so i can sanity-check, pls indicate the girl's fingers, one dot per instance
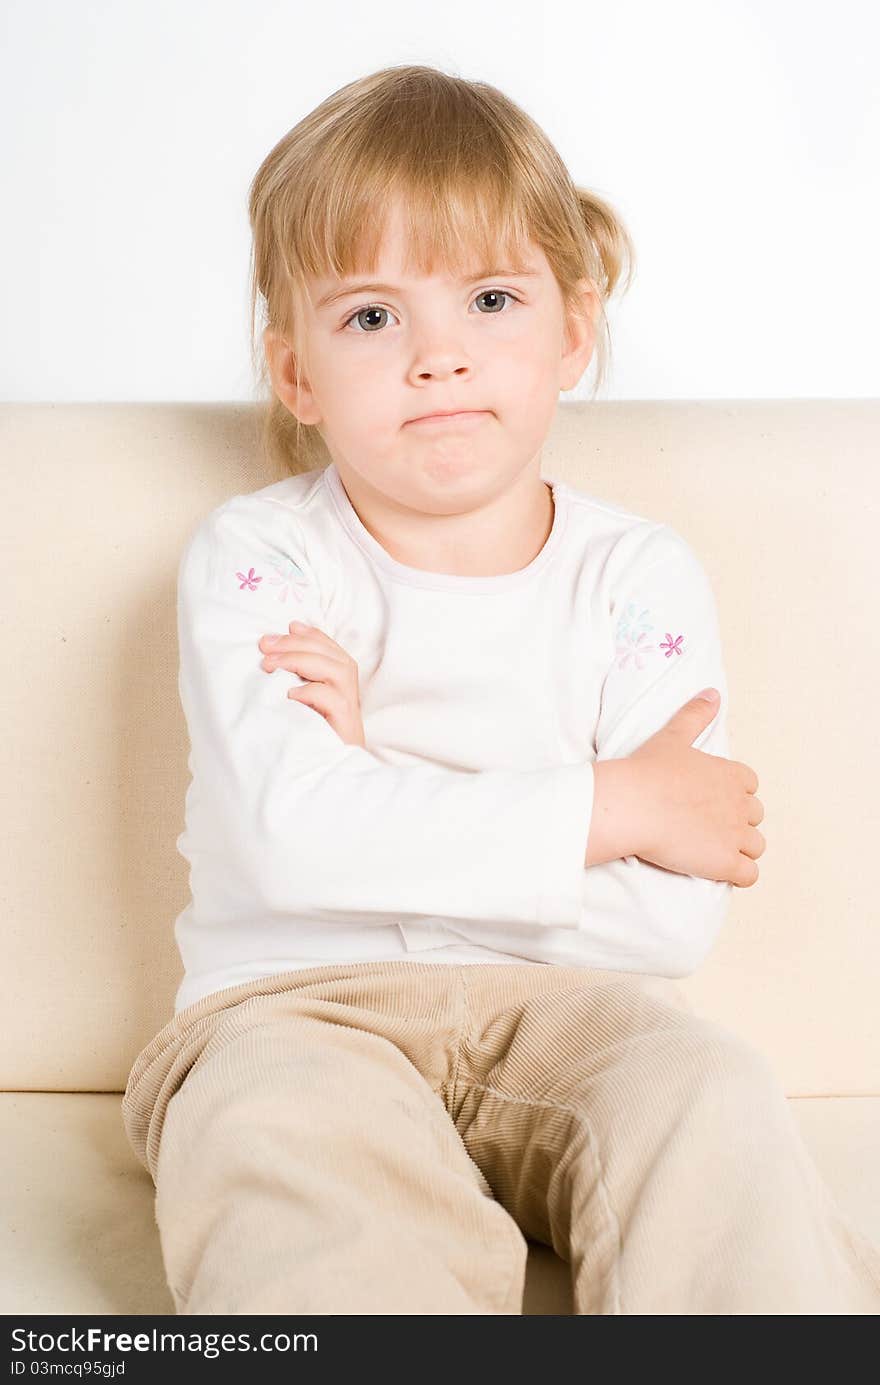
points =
(323, 698)
(342, 674)
(312, 639)
(338, 712)
(313, 632)
(327, 702)
(306, 663)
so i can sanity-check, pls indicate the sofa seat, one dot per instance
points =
(77, 1207)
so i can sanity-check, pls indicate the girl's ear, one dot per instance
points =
(295, 394)
(580, 336)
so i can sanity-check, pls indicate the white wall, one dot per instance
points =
(740, 140)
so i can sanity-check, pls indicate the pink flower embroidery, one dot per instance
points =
(674, 644)
(250, 581)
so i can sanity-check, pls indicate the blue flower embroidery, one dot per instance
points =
(632, 637)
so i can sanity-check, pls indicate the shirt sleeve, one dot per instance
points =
(666, 649)
(313, 825)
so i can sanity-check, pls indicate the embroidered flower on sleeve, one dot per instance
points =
(674, 645)
(633, 639)
(250, 581)
(287, 575)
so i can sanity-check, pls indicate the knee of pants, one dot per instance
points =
(729, 1072)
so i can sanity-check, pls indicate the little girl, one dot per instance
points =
(458, 816)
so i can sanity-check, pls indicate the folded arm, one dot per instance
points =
(320, 826)
(667, 647)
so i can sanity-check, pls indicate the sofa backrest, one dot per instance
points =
(780, 501)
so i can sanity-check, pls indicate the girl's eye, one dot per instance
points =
(377, 308)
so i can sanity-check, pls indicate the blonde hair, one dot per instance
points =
(473, 173)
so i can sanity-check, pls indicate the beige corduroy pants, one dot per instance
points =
(382, 1137)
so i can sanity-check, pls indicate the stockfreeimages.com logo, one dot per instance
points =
(208, 1344)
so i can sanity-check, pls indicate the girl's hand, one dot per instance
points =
(692, 812)
(332, 688)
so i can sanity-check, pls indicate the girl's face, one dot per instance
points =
(398, 348)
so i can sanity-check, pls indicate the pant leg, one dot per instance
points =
(304, 1163)
(653, 1149)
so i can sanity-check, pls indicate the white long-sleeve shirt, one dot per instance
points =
(459, 833)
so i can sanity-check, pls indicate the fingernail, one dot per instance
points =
(709, 695)
(272, 639)
(299, 625)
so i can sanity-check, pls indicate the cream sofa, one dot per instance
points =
(781, 501)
